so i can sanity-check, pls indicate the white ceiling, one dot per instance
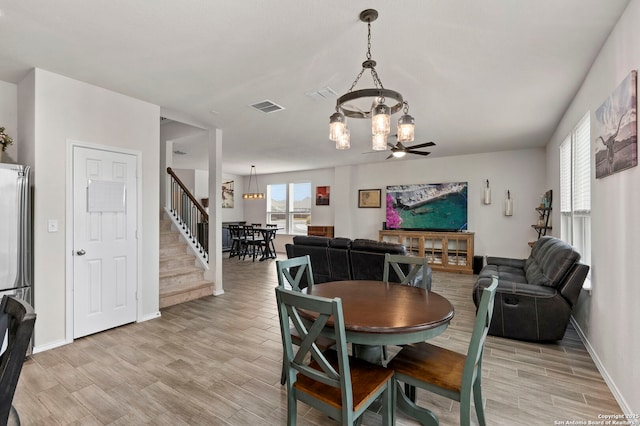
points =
(479, 76)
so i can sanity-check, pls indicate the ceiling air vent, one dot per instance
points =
(267, 106)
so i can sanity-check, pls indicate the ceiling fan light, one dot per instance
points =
(399, 154)
(337, 126)
(406, 128)
(381, 120)
(379, 142)
(344, 141)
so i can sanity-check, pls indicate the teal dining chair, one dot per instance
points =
(300, 267)
(296, 273)
(340, 386)
(448, 373)
(417, 274)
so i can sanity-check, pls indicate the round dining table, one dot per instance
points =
(378, 313)
(383, 313)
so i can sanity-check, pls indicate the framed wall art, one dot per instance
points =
(615, 139)
(227, 194)
(369, 198)
(322, 195)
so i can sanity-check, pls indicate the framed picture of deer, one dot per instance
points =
(615, 138)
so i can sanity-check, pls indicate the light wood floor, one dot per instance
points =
(216, 361)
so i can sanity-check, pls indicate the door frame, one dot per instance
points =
(71, 144)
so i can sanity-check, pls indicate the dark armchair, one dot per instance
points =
(535, 296)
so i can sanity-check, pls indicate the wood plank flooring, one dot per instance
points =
(216, 361)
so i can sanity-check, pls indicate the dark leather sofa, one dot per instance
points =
(535, 296)
(337, 259)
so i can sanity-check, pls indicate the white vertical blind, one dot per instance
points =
(565, 176)
(582, 166)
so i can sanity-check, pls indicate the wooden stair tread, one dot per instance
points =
(168, 291)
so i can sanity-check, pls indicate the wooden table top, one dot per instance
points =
(388, 313)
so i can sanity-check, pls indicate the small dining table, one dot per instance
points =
(380, 313)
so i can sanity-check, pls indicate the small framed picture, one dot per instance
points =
(369, 198)
(322, 195)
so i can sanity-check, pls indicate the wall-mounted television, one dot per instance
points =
(427, 207)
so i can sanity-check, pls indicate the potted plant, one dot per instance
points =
(5, 141)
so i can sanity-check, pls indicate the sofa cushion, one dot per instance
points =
(377, 246)
(304, 240)
(340, 242)
(504, 272)
(339, 262)
(550, 261)
(535, 274)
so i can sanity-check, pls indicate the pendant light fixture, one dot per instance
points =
(379, 112)
(257, 195)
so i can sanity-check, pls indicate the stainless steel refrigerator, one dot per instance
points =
(16, 265)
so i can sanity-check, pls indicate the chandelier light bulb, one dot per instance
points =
(381, 120)
(344, 141)
(379, 142)
(406, 128)
(337, 126)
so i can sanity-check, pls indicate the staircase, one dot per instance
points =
(181, 279)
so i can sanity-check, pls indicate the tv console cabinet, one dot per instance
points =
(445, 251)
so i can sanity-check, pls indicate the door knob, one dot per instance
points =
(81, 252)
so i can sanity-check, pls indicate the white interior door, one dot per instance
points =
(104, 236)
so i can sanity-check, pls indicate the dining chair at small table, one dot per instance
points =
(445, 372)
(252, 242)
(235, 233)
(297, 274)
(341, 386)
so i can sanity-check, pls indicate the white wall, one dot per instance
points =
(9, 119)
(609, 316)
(57, 109)
(522, 172)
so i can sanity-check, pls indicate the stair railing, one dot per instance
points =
(189, 214)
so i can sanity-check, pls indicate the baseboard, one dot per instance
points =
(150, 316)
(53, 345)
(632, 417)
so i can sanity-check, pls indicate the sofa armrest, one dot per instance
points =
(572, 283)
(521, 289)
(504, 261)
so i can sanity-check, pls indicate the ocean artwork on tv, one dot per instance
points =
(427, 207)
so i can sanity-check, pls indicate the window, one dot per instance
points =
(575, 190)
(289, 206)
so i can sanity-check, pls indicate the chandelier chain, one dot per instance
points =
(369, 40)
(374, 74)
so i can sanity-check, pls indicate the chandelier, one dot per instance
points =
(379, 112)
(257, 195)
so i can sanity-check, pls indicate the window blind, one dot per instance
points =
(565, 176)
(582, 166)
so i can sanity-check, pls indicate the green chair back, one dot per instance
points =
(418, 265)
(312, 374)
(301, 267)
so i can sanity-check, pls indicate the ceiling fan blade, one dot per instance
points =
(391, 146)
(418, 152)
(421, 145)
(391, 156)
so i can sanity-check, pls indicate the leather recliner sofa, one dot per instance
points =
(338, 259)
(535, 296)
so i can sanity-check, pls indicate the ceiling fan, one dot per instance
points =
(399, 150)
